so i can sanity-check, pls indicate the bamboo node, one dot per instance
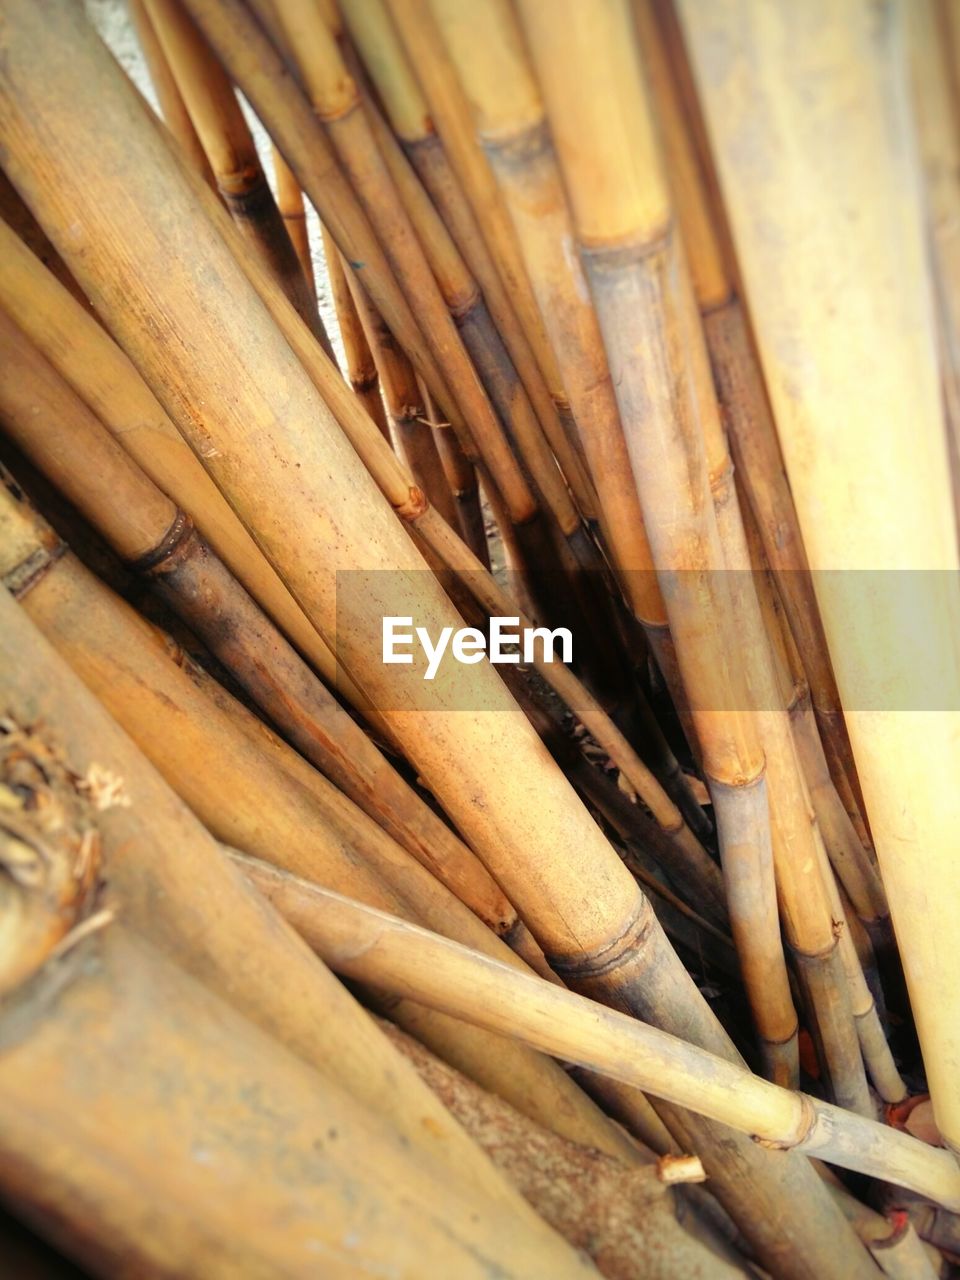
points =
(415, 505)
(619, 950)
(806, 1120)
(175, 540)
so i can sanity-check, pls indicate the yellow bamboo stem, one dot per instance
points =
(870, 355)
(294, 214)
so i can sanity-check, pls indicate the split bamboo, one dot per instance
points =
(367, 945)
(647, 309)
(870, 356)
(58, 433)
(526, 823)
(232, 153)
(360, 370)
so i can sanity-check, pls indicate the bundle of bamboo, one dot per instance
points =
(640, 840)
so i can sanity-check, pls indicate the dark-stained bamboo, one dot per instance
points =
(364, 943)
(360, 369)
(542, 853)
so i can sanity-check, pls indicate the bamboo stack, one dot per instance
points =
(647, 317)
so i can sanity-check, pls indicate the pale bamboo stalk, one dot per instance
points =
(104, 377)
(845, 492)
(366, 944)
(58, 433)
(294, 214)
(336, 102)
(361, 371)
(173, 110)
(379, 46)
(732, 755)
(739, 383)
(892, 1240)
(220, 393)
(229, 146)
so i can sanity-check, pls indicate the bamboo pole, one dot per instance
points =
(542, 853)
(104, 377)
(173, 110)
(360, 369)
(739, 383)
(646, 302)
(385, 61)
(294, 214)
(365, 944)
(733, 759)
(232, 153)
(58, 433)
(872, 357)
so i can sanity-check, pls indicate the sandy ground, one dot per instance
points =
(112, 21)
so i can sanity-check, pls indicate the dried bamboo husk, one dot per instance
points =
(844, 493)
(336, 102)
(543, 852)
(103, 376)
(740, 389)
(365, 944)
(734, 761)
(173, 109)
(361, 372)
(57, 432)
(259, 795)
(625, 1219)
(229, 146)
(378, 44)
(162, 1046)
(294, 214)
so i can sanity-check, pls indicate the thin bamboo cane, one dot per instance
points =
(543, 852)
(361, 372)
(173, 110)
(248, 788)
(336, 102)
(58, 433)
(734, 762)
(739, 384)
(407, 412)
(365, 944)
(232, 153)
(893, 1241)
(104, 377)
(294, 214)
(646, 300)
(386, 62)
(871, 356)
(464, 485)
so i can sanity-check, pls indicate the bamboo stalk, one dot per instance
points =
(173, 109)
(232, 154)
(464, 485)
(844, 489)
(542, 854)
(365, 944)
(104, 377)
(58, 433)
(733, 762)
(361, 372)
(379, 46)
(294, 214)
